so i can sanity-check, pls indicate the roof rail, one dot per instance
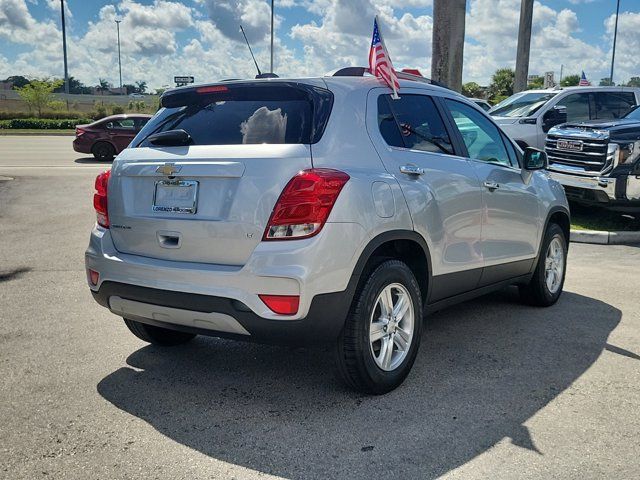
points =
(403, 75)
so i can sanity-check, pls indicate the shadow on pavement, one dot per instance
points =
(92, 161)
(484, 368)
(8, 275)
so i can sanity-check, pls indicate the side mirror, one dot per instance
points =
(535, 159)
(554, 116)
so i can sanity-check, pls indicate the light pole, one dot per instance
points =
(64, 49)
(615, 37)
(524, 46)
(119, 62)
(271, 36)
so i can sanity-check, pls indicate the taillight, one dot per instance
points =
(281, 304)
(305, 204)
(212, 89)
(100, 199)
(79, 131)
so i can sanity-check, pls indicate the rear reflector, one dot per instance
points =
(305, 204)
(281, 304)
(100, 199)
(212, 89)
(94, 277)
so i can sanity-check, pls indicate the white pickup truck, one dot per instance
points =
(527, 116)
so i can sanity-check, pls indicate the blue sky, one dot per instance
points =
(162, 38)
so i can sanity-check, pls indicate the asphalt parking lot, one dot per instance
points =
(499, 390)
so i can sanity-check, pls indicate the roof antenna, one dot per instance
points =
(250, 51)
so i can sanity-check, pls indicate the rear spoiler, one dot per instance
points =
(405, 74)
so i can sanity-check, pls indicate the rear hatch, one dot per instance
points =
(210, 199)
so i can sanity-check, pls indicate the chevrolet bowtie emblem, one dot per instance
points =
(168, 169)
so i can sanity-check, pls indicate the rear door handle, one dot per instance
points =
(411, 170)
(492, 186)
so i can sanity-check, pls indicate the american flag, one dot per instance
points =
(380, 63)
(583, 81)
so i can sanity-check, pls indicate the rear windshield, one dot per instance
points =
(280, 112)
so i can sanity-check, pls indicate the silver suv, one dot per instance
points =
(321, 210)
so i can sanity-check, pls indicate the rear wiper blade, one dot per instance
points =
(170, 138)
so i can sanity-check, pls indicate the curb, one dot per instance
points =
(605, 238)
(44, 133)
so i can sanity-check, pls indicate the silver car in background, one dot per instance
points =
(321, 210)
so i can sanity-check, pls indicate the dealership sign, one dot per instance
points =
(183, 80)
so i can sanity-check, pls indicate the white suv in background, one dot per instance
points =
(321, 210)
(527, 116)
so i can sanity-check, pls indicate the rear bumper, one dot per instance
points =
(225, 317)
(82, 146)
(319, 270)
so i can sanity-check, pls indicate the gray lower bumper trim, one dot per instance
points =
(210, 321)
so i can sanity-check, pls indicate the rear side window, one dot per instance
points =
(244, 114)
(413, 121)
(610, 105)
(124, 124)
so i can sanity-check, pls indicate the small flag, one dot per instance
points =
(380, 63)
(583, 81)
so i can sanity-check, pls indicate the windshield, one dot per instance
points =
(634, 114)
(243, 114)
(521, 104)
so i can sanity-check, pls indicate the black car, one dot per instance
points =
(598, 162)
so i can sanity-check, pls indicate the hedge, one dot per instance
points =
(43, 123)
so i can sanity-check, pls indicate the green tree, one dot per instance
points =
(570, 80)
(606, 82)
(535, 82)
(501, 83)
(103, 85)
(18, 81)
(472, 90)
(634, 82)
(130, 88)
(38, 94)
(142, 86)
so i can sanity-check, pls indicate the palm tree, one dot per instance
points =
(103, 85)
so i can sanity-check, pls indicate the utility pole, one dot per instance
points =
(119, 62)
(615, 37)
(271, 36)
(448, 42)
(64, 49)
(524, 46)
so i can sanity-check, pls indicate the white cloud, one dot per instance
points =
(627, 48)
(337, 34)
(492, 37)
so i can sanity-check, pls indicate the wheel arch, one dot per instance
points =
(559, 215)
(405, 245)
(108, 142)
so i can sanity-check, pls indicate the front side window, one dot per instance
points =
(481, 137)
(413, 121)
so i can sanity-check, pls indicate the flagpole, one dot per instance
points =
(395, 95)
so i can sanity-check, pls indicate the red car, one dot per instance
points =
(107, 137)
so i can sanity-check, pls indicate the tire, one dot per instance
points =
(103, 151)
(538, 292)
(361, 363)
(159, 336)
